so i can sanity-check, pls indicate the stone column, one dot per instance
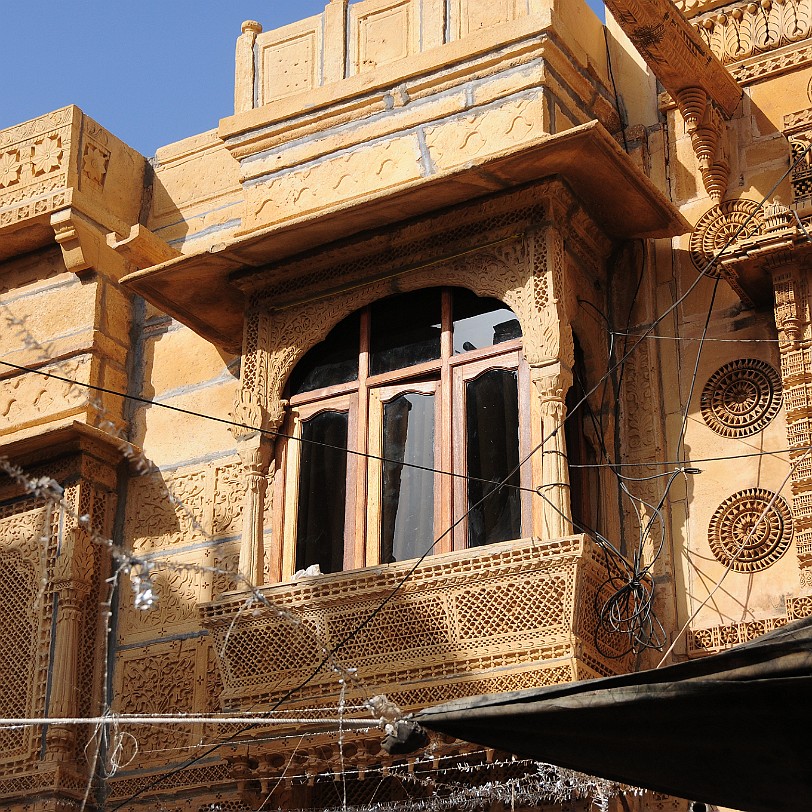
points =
(245, 73)
(552, 383)
(791, 282)
(254, 449)
(255, 456)
(335, 40)
(63, 702)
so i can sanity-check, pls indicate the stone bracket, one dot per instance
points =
(706, 127)
(141, 247)
(82, 240)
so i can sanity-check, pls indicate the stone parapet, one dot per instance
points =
(359, 39)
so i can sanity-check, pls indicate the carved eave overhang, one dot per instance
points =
(200, 289)
(71, 438)
(749, 265)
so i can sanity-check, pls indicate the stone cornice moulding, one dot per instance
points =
(417, 78)
(594, 166)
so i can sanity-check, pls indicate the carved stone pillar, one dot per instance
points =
(255, 454)
(255, 458)
(63, 702)
(552, 383)
(792, 318)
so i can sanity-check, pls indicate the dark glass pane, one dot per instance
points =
(322, 492)
(481, 322)
(332, 361)
(407, 503)
(492, 413)
(405, 330)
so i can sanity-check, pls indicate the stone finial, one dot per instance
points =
(777, 217)
(251, 25)
(692, 102)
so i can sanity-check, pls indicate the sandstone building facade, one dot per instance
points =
(498, 315)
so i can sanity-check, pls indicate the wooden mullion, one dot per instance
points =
(362, 444)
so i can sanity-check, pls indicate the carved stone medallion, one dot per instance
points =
(728, 222)
(747, 535)
(741, 397)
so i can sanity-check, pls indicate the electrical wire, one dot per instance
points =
(704, 340)
(728, 569)
(267, 432)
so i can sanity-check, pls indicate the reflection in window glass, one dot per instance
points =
(492, 432)
(480, 323)
(330, 362)
(322, 492)
(406, 330)
(407, 504)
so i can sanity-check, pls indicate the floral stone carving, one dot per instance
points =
(750, 530)
(741, 397)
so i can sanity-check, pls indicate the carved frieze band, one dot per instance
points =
(39, 161)
(742, 30)
(719, 638)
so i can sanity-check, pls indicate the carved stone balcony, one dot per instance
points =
(514, 615)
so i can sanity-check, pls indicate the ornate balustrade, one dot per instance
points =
(508, 616)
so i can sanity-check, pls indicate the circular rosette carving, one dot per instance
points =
(747, 535)
(741, 397)
(730, 220)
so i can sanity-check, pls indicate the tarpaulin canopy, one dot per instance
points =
(733, 729)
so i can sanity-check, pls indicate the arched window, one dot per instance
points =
(426, 391)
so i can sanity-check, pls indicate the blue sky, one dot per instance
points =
(150, 71)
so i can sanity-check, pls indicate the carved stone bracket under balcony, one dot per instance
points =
(504, 617)
(706, 127)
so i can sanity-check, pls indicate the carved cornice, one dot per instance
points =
(65, 159)
(690, 8)
(674, 50)
(742, 30)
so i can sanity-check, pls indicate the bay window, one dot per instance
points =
(404, 419)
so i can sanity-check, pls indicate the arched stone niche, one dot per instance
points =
(518, 250)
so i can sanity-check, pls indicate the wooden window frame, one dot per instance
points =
(363, 399)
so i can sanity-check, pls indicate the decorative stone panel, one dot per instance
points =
(444, 634)
(66, 159)
(751, 530)
(740, 218)
(52, 581)
(741, 398)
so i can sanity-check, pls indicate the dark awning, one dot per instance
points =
(731, 729)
